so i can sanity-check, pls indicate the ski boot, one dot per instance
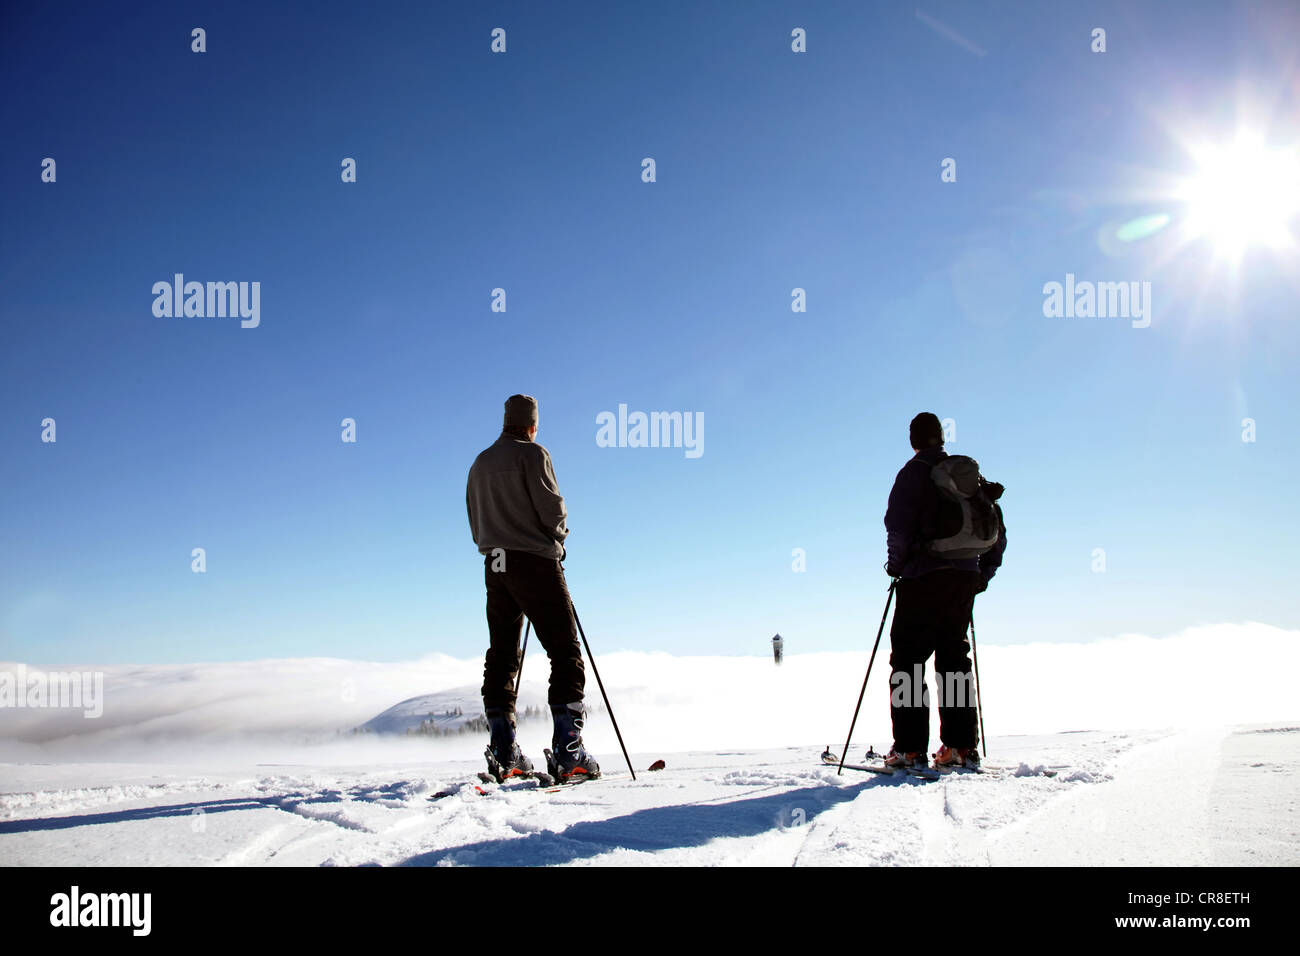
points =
(504, 758)
(567, 760)
(911, 760)
(952, 757)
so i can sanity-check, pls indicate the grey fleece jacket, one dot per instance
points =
(514, 501)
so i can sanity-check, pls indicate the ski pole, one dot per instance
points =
(979, 698)
(845, 752)
(601, 685)
(519, 674)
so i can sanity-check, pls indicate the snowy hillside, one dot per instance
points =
(447, 712)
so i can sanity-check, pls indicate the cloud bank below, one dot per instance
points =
(296, 709)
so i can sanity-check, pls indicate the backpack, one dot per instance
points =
(966, 522)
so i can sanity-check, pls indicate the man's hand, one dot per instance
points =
(892, 571)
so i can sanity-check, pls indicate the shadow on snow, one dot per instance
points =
(392, 794)
(657, 828)
(653, 829)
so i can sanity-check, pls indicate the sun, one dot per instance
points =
(1243, 194)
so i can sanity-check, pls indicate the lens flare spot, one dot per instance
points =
(1142, 227)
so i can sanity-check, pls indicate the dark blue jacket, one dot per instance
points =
(913, 490)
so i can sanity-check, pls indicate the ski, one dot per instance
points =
(923, 773)
(832, 760)
(518, 783)
(933, 773)
(533, 781)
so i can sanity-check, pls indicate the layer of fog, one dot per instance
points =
(302, 710)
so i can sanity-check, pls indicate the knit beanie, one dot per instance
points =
(521, 411)
(925, 431)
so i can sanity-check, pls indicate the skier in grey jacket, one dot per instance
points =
(518, 520)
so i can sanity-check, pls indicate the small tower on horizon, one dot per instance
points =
(778, 648)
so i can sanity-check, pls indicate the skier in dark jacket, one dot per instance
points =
(518, 520)
(935, 596)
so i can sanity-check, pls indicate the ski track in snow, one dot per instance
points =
(1118, 798)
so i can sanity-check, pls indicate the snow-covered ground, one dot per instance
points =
(1162, 759)
(1210, 796)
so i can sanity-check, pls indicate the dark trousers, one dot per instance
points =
(932, 617)
(522, 584)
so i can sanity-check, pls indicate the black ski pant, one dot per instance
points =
(932, 616)
(520, 583)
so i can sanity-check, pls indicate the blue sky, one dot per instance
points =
(522, 170)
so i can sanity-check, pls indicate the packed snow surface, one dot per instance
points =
(1209, 796)
(1159, 759)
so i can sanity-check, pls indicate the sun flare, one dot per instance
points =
(1242, 195)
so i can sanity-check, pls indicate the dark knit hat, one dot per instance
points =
(925, 431)
(521, 411)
